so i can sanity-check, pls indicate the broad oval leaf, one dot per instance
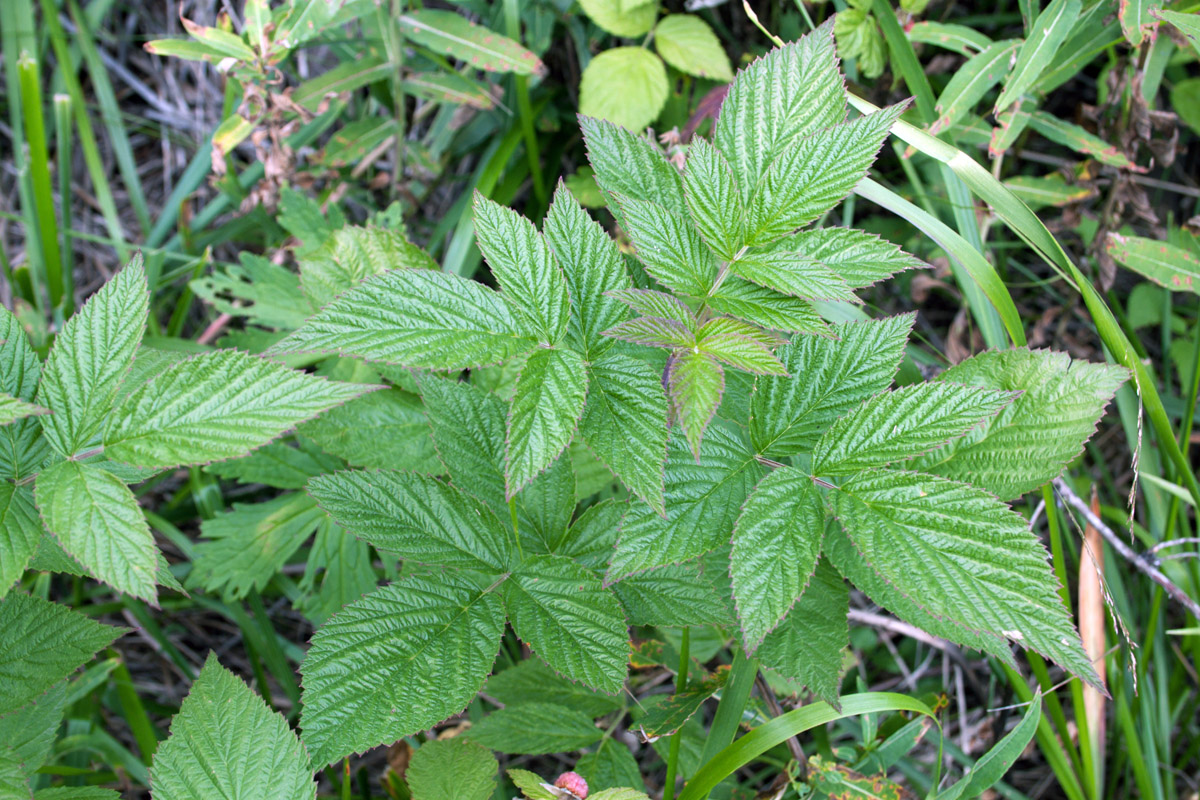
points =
(625, 85)
(621, 17)
(687, 43)
(452, 769)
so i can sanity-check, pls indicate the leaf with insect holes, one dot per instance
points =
(766, 307)
(826, 378)
(353, 254)
(1046, 36)
(703, 498)
(96, 519)
(90, 358)
(740, 345)
(631, 165)
(649, 303)
(225, 741)
(789, 93)
(593, 268)
(1169, 266)
(812, 175)
(654, 332)
(398, 661)
(858, 258)
(1030, 442)
(695, 382)
(545, 411)
(22, 446)
(776, 544)
(452, 769)
(416, 517)
(687, 43)
(898, 425)
(414, 318)
(714, 199)
(669, 247)
(451, 34)
(20, 532)
(522, 263)
(624, 423)
(40, 644)
(793, 274)
(960, 554)
(566, 616)
(624, 85)
(215, 406)
(535, 729)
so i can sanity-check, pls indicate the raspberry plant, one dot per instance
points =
(760, 460)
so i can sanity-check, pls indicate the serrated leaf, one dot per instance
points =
(859, 258)
(776, 544)
(676, 595)
(826, 379)
(592, 266)
(621, 19)
(969, 84)
(695, 382)
(531, 681)
(90, 358)
(278, 465)
(96, 519)
(669, 247)
(414, 318)
(1044, 429)
(546, 505)
(624, 424)
(544, 414)
(14, 408)
(813, 174)
(669, 715)
(385, 429)
(30, 732)
(452, 769)
(216, 406)
(766, 307)
(793, 273)
(76, 793)
(687, 43)
(960, 554)
(451, 34)
(791, 92)
(225, 741)
(702, 502)
(566, 616)
(22, 446)
(338, 572)
(535, 729)
(1167, 265)
(40, 644)
(901, 424)
(416, 517)
(858, 38)
(263, 292)
(1048, 33)
(653, 332)
(714, 199)
(649, 303)
(521, 261)
(629, 164)
(351, 256)
(532, 786)
(740, 345)
(14, 782)
(20, 532)
(609, 766)
(398, 661)
(624, 85)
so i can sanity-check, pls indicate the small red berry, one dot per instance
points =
(573, 783)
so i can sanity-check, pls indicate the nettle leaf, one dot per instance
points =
(631, 165)
(826, 379)
(535, 729)
(898, 425)
(650, 303)
(20, 533)
(566, 616)
(624, 85)
(702, 501)
(354, 254)
(808, 644)
(1031, 441)
(416, 517)
(766, 307)
(687, 43)
(695, 382)
(789, 93)
(776, 544)
(278, 465)
(22, 446)
(960, 553)
(624, 424)
(714, 199)
(89, 359)
(40, 644)
(814, 173)
(452, 769)
(214, 406)
(385, 429)
(795, 274)
(532, 681)
(398, 661)
(415, 318)
(521, 260)
(96, 519)
(668, 246)
(740, 345)
(545, 411)
(654, 332)
(592, 266)
(225, 741)
(858, 258)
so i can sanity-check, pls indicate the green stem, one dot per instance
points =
(681, 678)
(512, 24)
(39, 167)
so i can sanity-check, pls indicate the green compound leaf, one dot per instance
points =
(521, 260)
(654, 332)
(535, 729)
(1031, 441)
(775, 548)
(20, 533)
(740, 345)
(702, 501)
(22, 446)
(625, 424)
(416, 517)
(226, 742)
(858, 38)
(278, 465)
(454, 35)
(795, 274)
(398, 661)
(14, 408)
(687, 43)
(263, 292)
(649, 303)
(531, 681)
(592, 265)
(354, 254)
(566, 616)
(808, 644)
(452, 769)
(669, 247)
(32, 730)
(898, 425)
(214, 406)
(766, 307)
(714, 199)
(960, 553)
(414, 318)
(695, 382)
(546, 408)
(858, 258)
(676, 595)
(96, 519)
(631, 165)
(468, 432)
(626, 86)
(90, 358)
(40, 644)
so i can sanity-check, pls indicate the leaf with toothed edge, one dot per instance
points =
(695, 382)
(535, 729)
(452, 769)
(740, 345)
(14, 408)
(398, 661)
(714, 199)
(653, 332)
(669, 715)
(766, 307)
(545, 411)
(23, 448)
(858, 258)
(649, 303)
(533, 681)
(629, 164)
(668, 246)
(674, 595)
(794, 274)
(20, 532)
